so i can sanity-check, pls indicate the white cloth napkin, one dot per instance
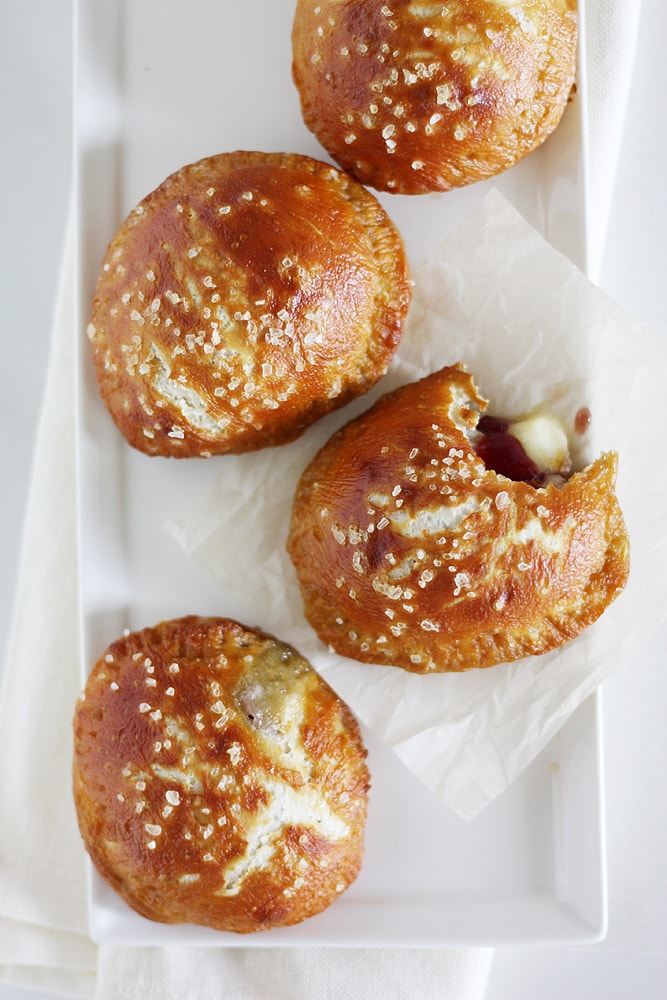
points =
(43, 910)
(610, 33)
(43, 919)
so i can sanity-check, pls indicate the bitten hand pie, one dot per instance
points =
(218, 780)
(411, 96)
(247, 296)
(411, 552)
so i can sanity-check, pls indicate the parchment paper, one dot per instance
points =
(531, 328)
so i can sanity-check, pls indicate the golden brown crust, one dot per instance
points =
(218, 780)
(410, 552)
(410, 96)
(244, 298)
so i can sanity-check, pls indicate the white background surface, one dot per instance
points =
(35, 165)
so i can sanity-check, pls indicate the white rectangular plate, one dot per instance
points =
(161, 83)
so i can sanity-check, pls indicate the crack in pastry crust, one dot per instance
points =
(410, 552)
(218, 780)
(247, 296)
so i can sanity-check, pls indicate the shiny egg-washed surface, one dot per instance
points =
(410, 552)
(414, 96)
(247, 296)
(218, 780)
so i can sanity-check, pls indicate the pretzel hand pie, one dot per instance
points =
(428, 537)
(412, 96)
(248, 295)
(218, 780)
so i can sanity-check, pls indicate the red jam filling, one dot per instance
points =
(503, 453)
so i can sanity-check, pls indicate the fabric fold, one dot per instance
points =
(281, 974)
